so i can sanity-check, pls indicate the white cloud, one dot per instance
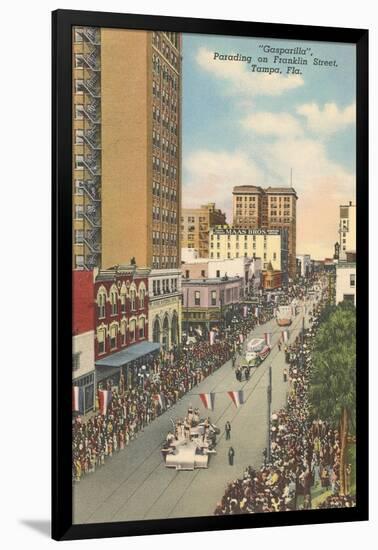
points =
(242, 81)
(328, 120)
(273, 124)
(212, 175)
(321, 184)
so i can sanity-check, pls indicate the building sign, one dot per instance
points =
(248, 231)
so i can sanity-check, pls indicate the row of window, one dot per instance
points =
(163, 46)
(164, 168)
(164, 215)
(168, 124)
(164, 191)
(117, 334)
(164, 262)
(166, 147)
(237, 237)
(164, 286)
(117, 299)
(164, 238)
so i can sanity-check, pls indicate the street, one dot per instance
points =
(134, 484)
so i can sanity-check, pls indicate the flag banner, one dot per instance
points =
(237, 397)
(268, 338)
(241, 338)
(245, 311)
(212, 337)
(159, 397)
(208, 400)
(104, 399)
(77, 399)
(285, 335)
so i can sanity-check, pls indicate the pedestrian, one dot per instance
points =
(285, 375)
(227, 429)
(231, 454)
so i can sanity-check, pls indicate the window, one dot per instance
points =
(213, 297)
(123, 333)
(114, 302)
(113, 337)
(79, 136)
(79, 162)
(203, 273)
(79, 60)
(79, 261)
(79, 86)
(79, 187)
(197, 298)
(352, 279)
(142, 294)
(141, 327)
(218, 273)
(187, 273)
(101, 300)
(101, 341)
(78, 37)
(79, 236)
(132, 299)
(76, 361)
(79, 211)
(132, 330)
(123, 302)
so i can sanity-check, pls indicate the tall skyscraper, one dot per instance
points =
(127, 148)
(270, 208)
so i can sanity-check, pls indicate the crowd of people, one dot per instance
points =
(304, 454)
(172, 374)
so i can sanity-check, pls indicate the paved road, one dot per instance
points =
(134, 483)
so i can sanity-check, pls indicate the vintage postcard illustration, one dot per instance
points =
(214, 275)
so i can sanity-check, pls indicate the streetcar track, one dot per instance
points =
(155, 448)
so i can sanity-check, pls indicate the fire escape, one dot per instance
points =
(92, 147)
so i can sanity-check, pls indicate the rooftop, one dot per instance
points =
(213, 281)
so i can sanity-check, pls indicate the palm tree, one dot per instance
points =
(333, 379)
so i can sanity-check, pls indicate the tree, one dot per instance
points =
(333, 379)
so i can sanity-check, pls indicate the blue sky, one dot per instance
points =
(242, 127)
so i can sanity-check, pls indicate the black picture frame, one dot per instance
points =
(62, 22)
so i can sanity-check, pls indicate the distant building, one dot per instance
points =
(304, 264)
(269, 208)
(83, 371)
(196, 224)
(347, 229)
(249, 269)
(210, 302)
(346, 282)
(272, 278)
(271, 245)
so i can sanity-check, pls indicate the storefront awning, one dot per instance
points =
(122, 358)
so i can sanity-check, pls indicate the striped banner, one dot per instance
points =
(208, 400)
(237, 397)
(77, 399)
(104, 399)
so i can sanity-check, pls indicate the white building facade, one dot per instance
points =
(346, 282)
